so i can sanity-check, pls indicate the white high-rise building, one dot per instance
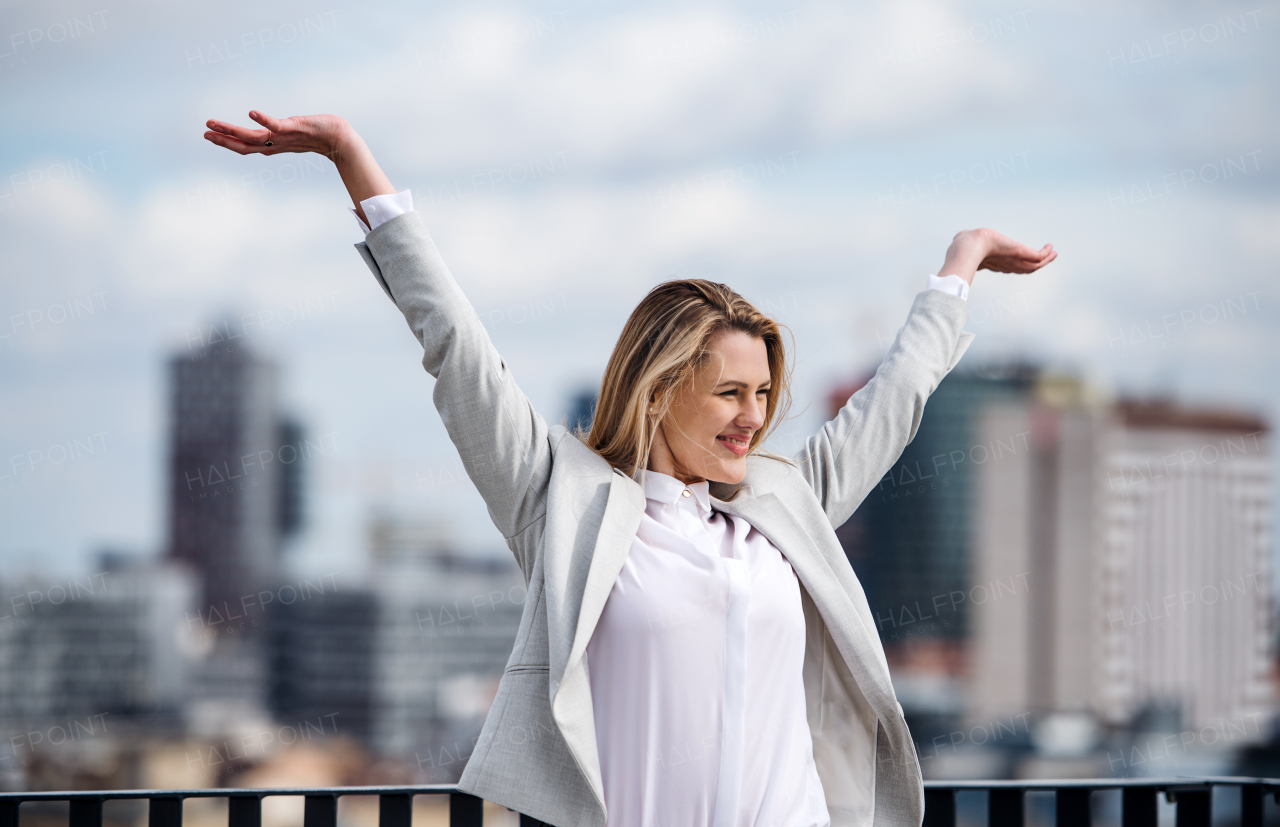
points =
(1184, 566)
(1142, 532)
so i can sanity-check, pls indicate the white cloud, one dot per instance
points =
(475, 89)
(628, 112)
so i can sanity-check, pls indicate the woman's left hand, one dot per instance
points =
(1004, 255)
(986, 249)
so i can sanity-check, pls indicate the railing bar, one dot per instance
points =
(1005, 808)
(395, 810)
(939, 808)
(86, 812)
(244, 811)
(1194, 808)
(164, 812)
(1251, 798)
(1074, 807)
(320, 811)
(465, 810)
(1138, 806)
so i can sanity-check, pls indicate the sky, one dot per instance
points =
(817, 157)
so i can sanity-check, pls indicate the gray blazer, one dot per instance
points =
(569, 518)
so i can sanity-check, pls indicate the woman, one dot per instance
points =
(695, 648)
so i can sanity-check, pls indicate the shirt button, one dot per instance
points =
(685, 493)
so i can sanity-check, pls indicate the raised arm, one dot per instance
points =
(502, 441)
(852, 452)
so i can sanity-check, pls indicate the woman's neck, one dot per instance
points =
(663, 463)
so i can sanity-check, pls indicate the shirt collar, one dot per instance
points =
(667, 489)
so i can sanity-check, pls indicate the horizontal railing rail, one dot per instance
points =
(1006, 802)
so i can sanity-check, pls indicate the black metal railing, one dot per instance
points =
(1073, 800)
(1006, 802)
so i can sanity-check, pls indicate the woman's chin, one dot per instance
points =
(730, 472)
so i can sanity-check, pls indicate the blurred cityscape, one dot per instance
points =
(1065, 585)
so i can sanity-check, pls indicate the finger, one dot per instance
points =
(232, 144)
(224, 127)
(1024, 251)
(226, 143)
(1029, 255)
(266, 120)
(240, 133)
(1021, 250)
(1031, 268)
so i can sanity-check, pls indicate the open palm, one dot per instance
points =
(1004, 255)
(301, 133)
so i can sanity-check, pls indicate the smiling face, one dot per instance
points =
(707, 430)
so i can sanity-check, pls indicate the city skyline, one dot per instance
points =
(409, 660)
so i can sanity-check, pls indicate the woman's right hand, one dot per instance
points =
(322, 134)
(328, 135)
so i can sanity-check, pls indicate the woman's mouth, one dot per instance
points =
(737, 444)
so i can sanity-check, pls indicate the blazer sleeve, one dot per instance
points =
(852, 452)
(502, 441)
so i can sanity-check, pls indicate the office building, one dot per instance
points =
(447, 623)
(909, 541)
(234, 471)
(1142, 533)
(106, 644)
(323, 656)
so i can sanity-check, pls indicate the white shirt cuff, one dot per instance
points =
(954, 285)
(380, 209)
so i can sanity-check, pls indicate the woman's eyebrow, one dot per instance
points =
(739, 383)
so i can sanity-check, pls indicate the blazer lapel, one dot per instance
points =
(622, 516)
(570, 686)
(847, 626)
(767, 514)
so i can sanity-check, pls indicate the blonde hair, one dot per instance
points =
(663, 342)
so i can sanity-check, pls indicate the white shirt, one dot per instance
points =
(696, 675)
(382, 208)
